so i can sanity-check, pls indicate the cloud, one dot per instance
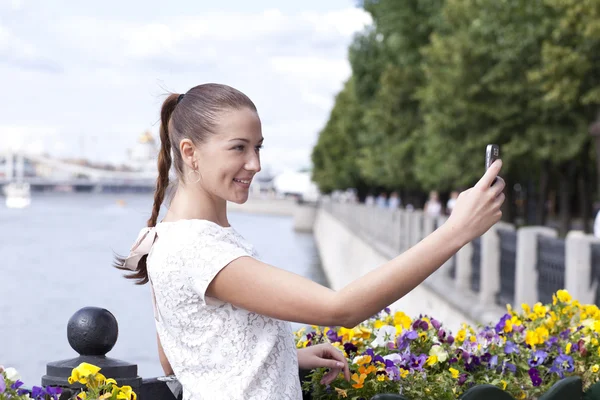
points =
(115, 67)
(22, 54)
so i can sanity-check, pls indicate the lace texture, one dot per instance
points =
(217, 351)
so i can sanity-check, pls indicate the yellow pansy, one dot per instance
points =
(540, 310)
(381, 377)
(595, 341)
(508, 326)
(364, 333)
(378, 324)
(509, 309)
(461, 336)
(110, 381)
(521, 396)
(568, 348)
(403, 373)
(399, 329)
(126, 393)
(531, 338)
(454, 372)
(402, 319)
(525, 308)
(504, 384)
(346, 334)
(542, 334)
(82, 372)
(595, 368)
(82, 396)
(341, 392)
(366, 371)
(431, 360)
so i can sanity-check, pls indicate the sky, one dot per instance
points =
(85, 79)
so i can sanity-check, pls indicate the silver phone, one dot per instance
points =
(492, 153)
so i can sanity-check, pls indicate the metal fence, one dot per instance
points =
(508, 266)
(476, 264)
(550, 267)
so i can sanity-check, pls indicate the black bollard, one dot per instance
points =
(92, 332)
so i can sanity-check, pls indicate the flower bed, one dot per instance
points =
(524, 354)
(94, 386)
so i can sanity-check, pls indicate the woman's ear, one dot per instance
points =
(188, 152)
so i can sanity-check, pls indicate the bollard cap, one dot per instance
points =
(92, 331)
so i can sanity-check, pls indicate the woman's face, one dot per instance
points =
(229, 159)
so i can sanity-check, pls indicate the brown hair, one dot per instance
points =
(194, 115)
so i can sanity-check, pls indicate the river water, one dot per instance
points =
(55, 258)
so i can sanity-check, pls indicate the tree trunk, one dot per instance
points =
(564, 199)
(584, 203)
(540, 215)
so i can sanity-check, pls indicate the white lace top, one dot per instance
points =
(217, 351)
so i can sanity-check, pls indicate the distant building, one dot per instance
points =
(142, 156)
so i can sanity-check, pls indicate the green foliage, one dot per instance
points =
(434, 81)
(334, 155)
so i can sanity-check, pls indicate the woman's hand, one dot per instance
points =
(478, 208)
(324, 355)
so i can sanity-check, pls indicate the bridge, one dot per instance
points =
(44, 173)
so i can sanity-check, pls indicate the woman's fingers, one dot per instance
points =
(488, 178)
(499, 186)
(340, 358)
(330, 376)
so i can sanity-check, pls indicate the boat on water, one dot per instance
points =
(18, 194)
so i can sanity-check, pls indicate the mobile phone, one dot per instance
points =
(492, 153)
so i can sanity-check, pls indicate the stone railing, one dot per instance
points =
(505, 265)
(92, 332)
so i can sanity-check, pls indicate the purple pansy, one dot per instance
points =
(417, 362)
(535, 377)
(538, 358)
(393, 373)
(563, 363)
(508, 366)
(436, 324)
(510, 348)
(405, 338)
(450, 339)
(333, 336)
(16, 385)
(493, 361)
(350, 348)
(502, 323)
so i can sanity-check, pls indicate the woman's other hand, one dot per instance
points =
(324, 355)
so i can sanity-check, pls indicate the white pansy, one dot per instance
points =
(439, 352)
(12, 374)
(385, 334)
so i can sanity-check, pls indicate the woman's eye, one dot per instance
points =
(239, 148)
(258, 148)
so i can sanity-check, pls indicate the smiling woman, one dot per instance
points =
(222, 316)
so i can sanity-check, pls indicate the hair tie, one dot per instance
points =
(180, 98)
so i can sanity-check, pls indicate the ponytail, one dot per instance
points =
(162, 183)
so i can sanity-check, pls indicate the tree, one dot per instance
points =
(334, 155)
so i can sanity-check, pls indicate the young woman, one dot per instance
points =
(221, 314)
